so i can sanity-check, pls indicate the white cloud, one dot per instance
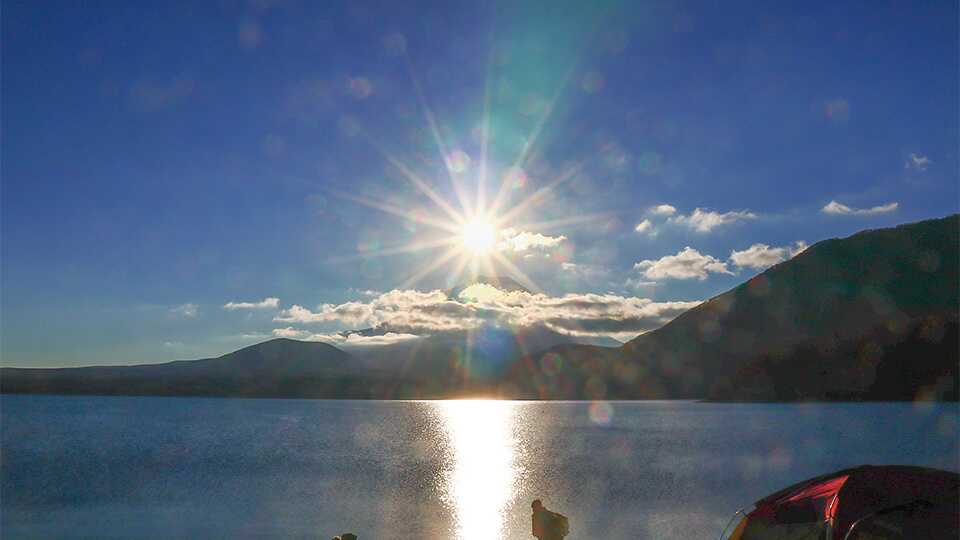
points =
(480, 292)
(760, 256)
(840, 209)
(251, 335)
(645, 226)
(423, 313)
(356, 340)
(266, 303)
(686, 264)
(591, 314)
(520, 241)
(346, 341)
(350, 312)
(290, 332)
(298, 314)
(188, 310)
(366, 292)
(918, 162)
(703, 221)
(663, 210)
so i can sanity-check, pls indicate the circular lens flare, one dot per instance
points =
(479, 237)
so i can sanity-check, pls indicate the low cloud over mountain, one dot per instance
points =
(415, 313)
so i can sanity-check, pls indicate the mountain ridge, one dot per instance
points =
(869, 316)
(894, 276)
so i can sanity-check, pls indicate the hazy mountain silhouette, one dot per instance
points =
(441, 365)
(871, 316)
(279, 367)
(457, 362)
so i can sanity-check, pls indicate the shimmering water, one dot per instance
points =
(166, 467)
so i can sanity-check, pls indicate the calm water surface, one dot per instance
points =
(104, 467)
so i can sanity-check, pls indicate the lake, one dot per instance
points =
(111, 467)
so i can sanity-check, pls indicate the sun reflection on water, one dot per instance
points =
(482, 481)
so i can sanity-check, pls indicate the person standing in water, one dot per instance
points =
(548, 525)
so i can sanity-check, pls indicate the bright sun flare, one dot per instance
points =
(479, 237)
(471, 234)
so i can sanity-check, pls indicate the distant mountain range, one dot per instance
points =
(872, 316)
(276, 368)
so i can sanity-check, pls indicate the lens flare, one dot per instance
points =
(458, 162)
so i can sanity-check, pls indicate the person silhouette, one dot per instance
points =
(548, 525)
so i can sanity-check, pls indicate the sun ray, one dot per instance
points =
(488, 267)
(437, 138)
(484, 139)
(406, 248)
(474, 225)
(516, 273)
(531, 141)
(472, 266)
(417, 181)
(397, 211)
(457, 271)
(534, 226)
(536, 196)
(437, 263)
(427, 190)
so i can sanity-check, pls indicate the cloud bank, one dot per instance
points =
(345, 340)
(418, 313)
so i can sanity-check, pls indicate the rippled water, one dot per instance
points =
(162, 467)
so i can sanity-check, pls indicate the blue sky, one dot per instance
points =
(160, 162)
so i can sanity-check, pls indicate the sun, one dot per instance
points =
(479, 237)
